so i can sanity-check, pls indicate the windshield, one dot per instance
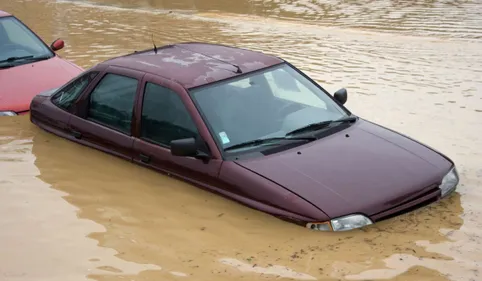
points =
(16, 40)
(264, 104)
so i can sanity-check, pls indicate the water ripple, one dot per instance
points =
(426, 86)
(453, 19)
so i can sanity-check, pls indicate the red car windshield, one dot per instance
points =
(262, 105)
(17, 41)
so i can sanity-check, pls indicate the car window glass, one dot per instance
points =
(65, 97)
(283, 87)
(164, 116)
(263, 104)
(112, 102)
(243, 83)
(17, 40)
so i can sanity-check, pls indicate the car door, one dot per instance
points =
(163, 117)
(105, 114)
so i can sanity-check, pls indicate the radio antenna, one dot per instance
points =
(155, 47)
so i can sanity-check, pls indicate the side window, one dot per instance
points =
(164, 116)
(66, 96)
(112, 102)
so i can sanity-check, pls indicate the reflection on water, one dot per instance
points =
(129, 222)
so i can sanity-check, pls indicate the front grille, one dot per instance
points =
(421, 200)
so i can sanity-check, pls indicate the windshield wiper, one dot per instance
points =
(39, 58)
(12, 59)
(258, 142)
(29, 58)
(320, 125)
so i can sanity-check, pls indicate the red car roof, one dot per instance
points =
(4, 14)
(195, 64)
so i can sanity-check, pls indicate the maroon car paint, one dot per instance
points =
(49, 117)
(362, 169)
(185, 63)
(196, 117)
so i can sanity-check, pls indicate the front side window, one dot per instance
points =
(17, 41)
(66, 96)
(264, 104)
(112, 102)
(164, 116)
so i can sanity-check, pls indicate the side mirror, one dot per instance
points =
(187, 148)
(341, 95)
(57, 45)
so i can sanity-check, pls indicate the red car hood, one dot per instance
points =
(18, 85)
(369, 171)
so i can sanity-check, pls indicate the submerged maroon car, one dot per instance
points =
(251, 127)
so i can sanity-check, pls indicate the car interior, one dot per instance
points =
(15, 40)
(250, 109)
(164, 116)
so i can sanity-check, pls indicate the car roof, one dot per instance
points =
(194, 64)
(4, 14)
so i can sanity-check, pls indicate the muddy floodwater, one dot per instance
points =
(69, 212)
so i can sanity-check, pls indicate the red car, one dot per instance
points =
(251, 127)
(27, 66)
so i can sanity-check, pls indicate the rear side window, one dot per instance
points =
(112, 102)
(164, 116)
(67, 96)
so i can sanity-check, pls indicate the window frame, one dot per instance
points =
(83, 102)
(141, 101)
(93, 120)
(67, 86)
(203, 132)
(219, 147)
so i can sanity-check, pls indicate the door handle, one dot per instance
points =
(145, 158)
(76, 134)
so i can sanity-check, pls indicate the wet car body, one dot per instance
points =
(331, 176)
(37, 67)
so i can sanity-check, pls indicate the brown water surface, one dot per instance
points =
(68, 212)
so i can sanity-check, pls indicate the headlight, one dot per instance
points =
(7, 113)
(449, 182)
(342, 223)
(350, 222)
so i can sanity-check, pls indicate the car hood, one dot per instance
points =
(362, 169)
(18, 85)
